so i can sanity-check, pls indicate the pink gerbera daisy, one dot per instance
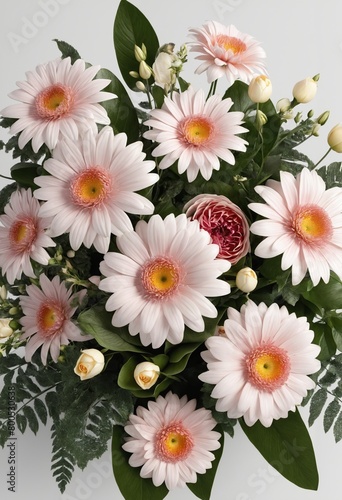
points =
(304, 224)
(196, 132)
(260, 367)
(22, 236)
(225, 51)
(47, 311)
(160, 280)
(57, 99)
(171, 441)
(91, 187)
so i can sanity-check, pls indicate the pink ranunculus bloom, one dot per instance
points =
(224, 221)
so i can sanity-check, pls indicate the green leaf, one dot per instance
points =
(128, 479)
(204, 483)
(122, 114)
(330, 414)
(286, 445)
(131, 28)
(238, 92)
(5, 195)
(21, 422)
(24, 173)
(97, 322)
(126, 379)
(318, 400)
(67, 50)
(326, 295)
(338, 428)
(41, 410)
(31, 418)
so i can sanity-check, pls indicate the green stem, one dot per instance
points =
(5, 177)
(212, 89)
(37, 396)
(326, 154)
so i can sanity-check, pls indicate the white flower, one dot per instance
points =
(246, 280)
(146, 374)
(260, 89)
(5, 330)
(305, 90)
(89, 364)
(335, 138)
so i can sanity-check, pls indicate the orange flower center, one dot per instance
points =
(23, 234)
(196, 130)
(268, 367)
(173, 443)
(230, 44)
(54, 102)
(91, 187)
(160, 277)
(312, 224)
(50, 318)
(82, 368)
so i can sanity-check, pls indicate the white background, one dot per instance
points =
(301, 38)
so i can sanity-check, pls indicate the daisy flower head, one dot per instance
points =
(225, 51)
(57, 99)
(196, 132)
(161, 279)
(92, 185)
(23, 236)
(171, 440)
(47, 312)
(260, 367)
(304, 224)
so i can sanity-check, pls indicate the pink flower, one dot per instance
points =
(171, 441)
(224, 221)
(304, 224)
(260, 367)
(225, 51)
(58, 99)
(22, 236)
(196, 132)
(48, 310)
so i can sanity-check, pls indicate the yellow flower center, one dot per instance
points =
(268, 367)
(50, 318)
(196, 130)
(23, 234)
(312, 224)
(173, 443)
(160, 277)
(91, 187)
(54, 102)
(230, 44)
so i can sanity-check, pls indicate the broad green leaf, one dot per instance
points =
(286, 445)
(182, 350)
(97, 322)
(5, 195)
(131, 28)
(67, 50)
(326, 295)
(324, 338)
(126, 378)
(204, 483)
(175, 368)
(331, 413)
(24, 174)
(318, 400)
(238, 93)
(128, 479)
(121, 112)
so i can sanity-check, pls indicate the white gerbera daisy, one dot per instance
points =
(91, 187)
(171, 441)
(260, 366)
(196, 132)
(160, 280)
(304, 224)
(56, 100)
(22, 236)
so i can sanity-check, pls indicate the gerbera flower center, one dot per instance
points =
(312, 224)
(268, 367)
(50, 318)
(230, 44)
(54, 102)
(91, 187)
(160, 277)
(173, 443)
(196, 130)
(22, 234)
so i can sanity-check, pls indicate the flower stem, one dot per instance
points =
(326, 154)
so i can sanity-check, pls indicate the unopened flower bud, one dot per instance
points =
(315, 129)
(89, 364)
(335, 138)
(310, 113)
(323, 118)
(305, 90)
(5, 329)
(246, 280)
(144, 70)
(260, 89)
(71, 254)
(260, 119)
(283, 105)
(146, 374)
(141, 86)
(3, 292)
(298, 117)
(14, 310)
(139, 53)
(134, 74)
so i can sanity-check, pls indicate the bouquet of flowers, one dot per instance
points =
(169, 269)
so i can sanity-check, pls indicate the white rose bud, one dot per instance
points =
(335, 138)
(5, 329)
(162, 69)
(305, 90)
(246, 280)
(146, 374)
(260, 89)
(89, 364)
(283, 105)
